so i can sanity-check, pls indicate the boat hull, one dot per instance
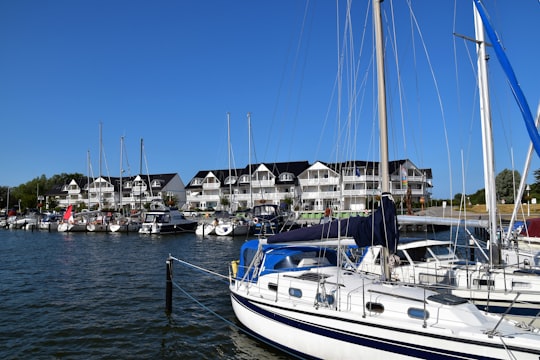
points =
(232, 229)
(323, 333)
(168, 228)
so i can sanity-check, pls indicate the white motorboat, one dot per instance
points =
(232, 227)
(163, 220)
(206, 228)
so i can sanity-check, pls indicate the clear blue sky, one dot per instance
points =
(169, 72)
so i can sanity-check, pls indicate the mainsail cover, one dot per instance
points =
(380, 228)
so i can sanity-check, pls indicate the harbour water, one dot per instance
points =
(102, 296)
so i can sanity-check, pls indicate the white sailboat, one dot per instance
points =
(231, 226)
(504, 281)
(293, 291)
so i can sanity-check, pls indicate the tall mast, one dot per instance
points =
(88, 177)
(383, 136)
(381, 87)
(249, 161)
(121, 170)
(99, 200)
(229, 151)
(487, 136)
(140, 176)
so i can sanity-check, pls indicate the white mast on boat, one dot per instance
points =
(249, 161)
(121, 171)
(229, 158)
(522, 184)
(88, 165)
(487, 137)
(381, 86)
(100, 149)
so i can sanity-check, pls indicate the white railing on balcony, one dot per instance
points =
(211, 186)
(321, 195)
(319, 181)
(263, 183)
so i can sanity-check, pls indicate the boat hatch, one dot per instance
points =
(446, 299)
(310, 276)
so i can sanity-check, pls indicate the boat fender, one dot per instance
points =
(256, 220)
(234, 267)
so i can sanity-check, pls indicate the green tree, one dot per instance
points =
(504, 183)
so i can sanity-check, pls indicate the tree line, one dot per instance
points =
(27, 195)
(507, 184)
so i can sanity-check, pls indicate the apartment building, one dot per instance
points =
(131, 193)
(349, 186)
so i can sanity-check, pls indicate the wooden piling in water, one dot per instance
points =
(168, 292)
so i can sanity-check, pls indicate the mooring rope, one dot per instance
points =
(203, 306)
(225, 277)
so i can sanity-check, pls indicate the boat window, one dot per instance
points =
(273, 287)
(419, 254)
(375, 307)
(295, 292)
(441, 251)
(402, 258)
(484, 282)
(416, 313)
(149, 218)
(446, 299)
(521, 284)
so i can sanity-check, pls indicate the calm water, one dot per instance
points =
(91, 295)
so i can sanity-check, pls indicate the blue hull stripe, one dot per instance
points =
(383, 344)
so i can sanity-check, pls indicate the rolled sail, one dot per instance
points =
(380, 228)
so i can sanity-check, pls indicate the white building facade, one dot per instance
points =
(349, 186)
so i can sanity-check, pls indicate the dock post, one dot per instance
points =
(168, 292)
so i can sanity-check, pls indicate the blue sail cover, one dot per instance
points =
(512, 79)
(380, 228)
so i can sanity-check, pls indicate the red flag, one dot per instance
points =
(67, 215)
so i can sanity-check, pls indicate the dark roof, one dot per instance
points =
(115, 181)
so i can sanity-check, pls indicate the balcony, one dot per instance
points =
(211, 186)
(319, 181)
(320, 195)
(263, 183)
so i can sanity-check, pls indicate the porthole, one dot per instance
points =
(295, 292)
(375, 307)
(416, 313)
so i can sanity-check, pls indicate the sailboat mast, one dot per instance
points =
(381, 87)
(140, 172)
(487, 136)
(88, 177)
(249, 160)
(100, 146)
(229, 156)
(121, 170)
